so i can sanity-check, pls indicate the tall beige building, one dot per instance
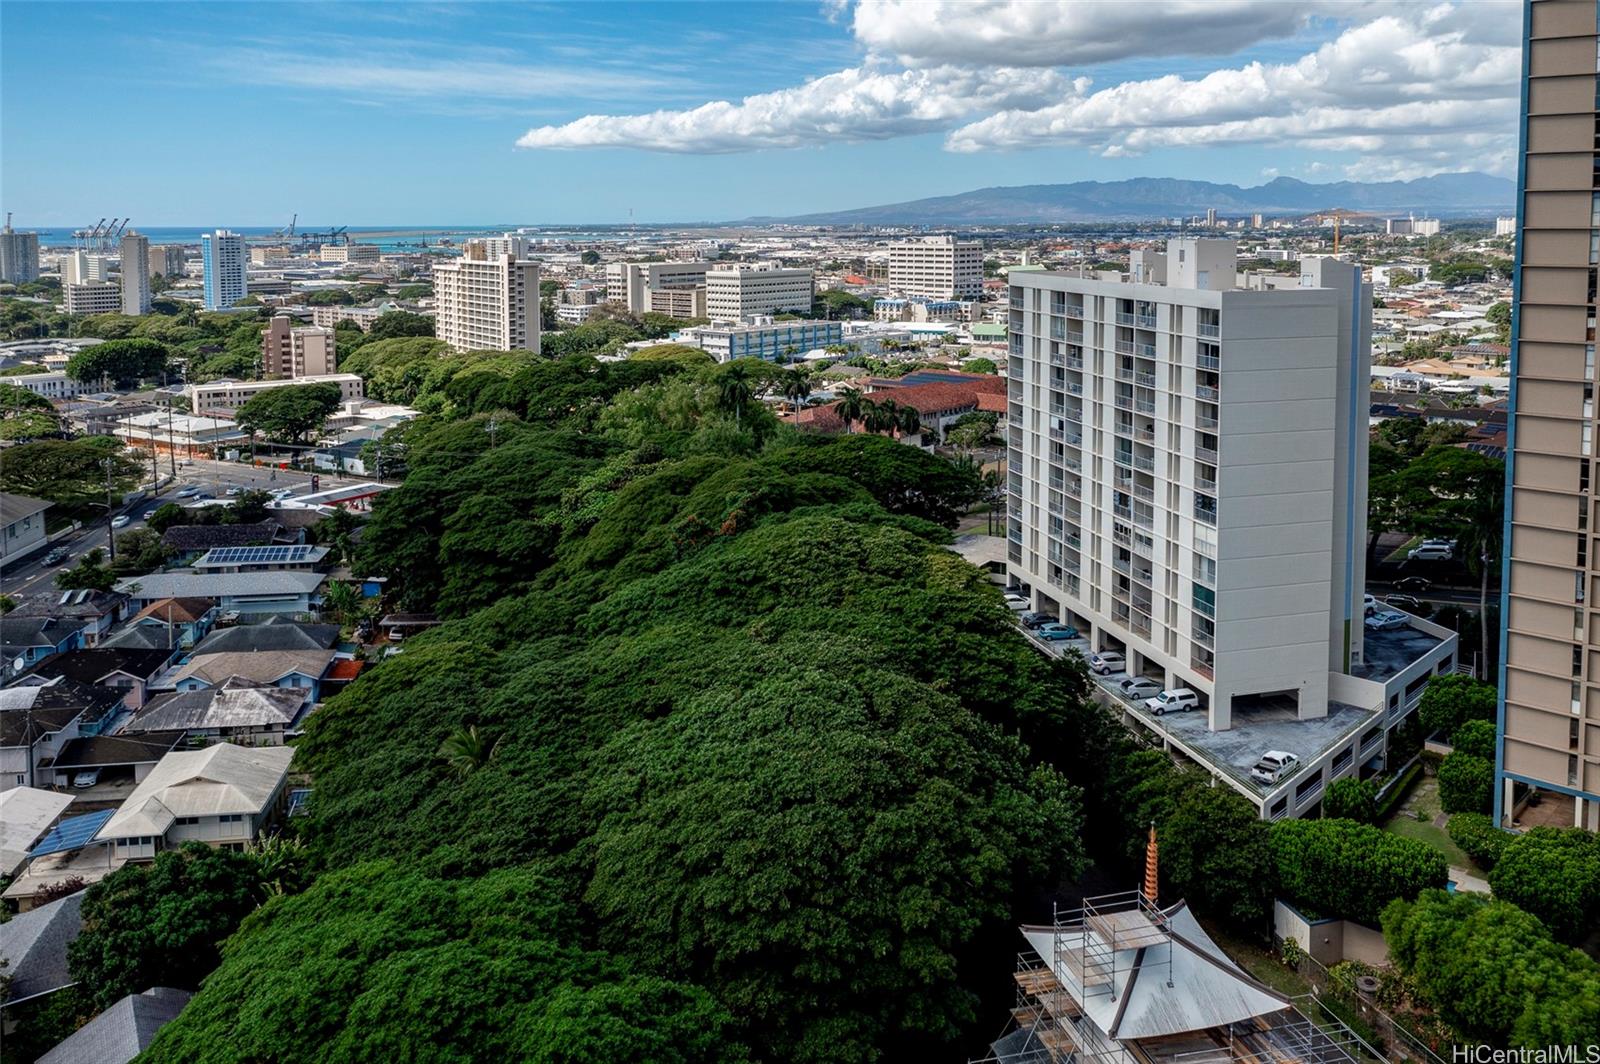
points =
(290, 350)
(1550, 683)
(135, 274)
(939, 267)
(487, 302)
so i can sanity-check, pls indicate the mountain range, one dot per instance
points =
(1138, 198)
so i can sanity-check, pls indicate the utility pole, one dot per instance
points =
(172, 450)
(111, 533)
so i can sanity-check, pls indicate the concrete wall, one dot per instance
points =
(1328, 942)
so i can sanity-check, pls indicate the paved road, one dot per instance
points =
(31, 575)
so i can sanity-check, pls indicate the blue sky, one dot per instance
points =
(373, 114)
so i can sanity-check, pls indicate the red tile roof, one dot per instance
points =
(345, 669)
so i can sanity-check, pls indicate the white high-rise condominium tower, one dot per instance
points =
(487, 302)
(223, 258)
(135, 274)
(1188, 469)
(19, 256)
(938, 267)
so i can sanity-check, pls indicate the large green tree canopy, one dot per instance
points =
(122, 362)
(71, 472)
(289, 414)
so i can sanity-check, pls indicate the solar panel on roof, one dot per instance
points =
(73, 833)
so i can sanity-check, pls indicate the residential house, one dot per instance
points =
(33, 949)
(223, 795)
(130, 671)
(21, 526)
(192, 541)
(298, 669)
(123, 757)
(237, 712)
(38, 717)
(26, 813)
(170, 623)
(246, 594)
(25, 640)
(275, 633)
(295, 557)
(122, 1032)
(98, 610)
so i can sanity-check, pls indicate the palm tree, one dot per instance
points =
(881, 417)
(733, 390)
(1481, 540)
(796, 388)
(852, 406)
(910, 422)
(465, 751)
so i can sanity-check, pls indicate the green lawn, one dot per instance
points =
(1424, 801)
(1399, 553)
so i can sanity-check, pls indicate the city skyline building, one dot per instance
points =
(631, 283)
(223, 259)
(1549, 711)
(486, 302)
(937, 267)
(19, 256)
(135, 274)
(745, 291)
(289, 349)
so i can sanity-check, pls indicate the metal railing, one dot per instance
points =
(1206, 454)
(1207, 328)
(1208, 361)
(1124, 347)
(1205, 421)
(1206, 392)
(1124, 318)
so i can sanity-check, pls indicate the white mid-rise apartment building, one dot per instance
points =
(487, 302)
(516, 245)
(938, 267)
(135, 274)
(750, 290)
(292, 350)
(82, 267)
(632, 282)
(1188, 469)
(222, 397)
(92, 297)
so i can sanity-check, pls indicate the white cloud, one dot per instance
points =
(1406, 87)
(1075, 32)
(859, 104)
(1400, 90)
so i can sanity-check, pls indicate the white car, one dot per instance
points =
(187, 493)
(87, 778)
(1107, 662)
(1018, 602)
(1385, 620)
(119, 521)
(1274, 766)
(1173, 700)
(1431, 552)
(1368, 604)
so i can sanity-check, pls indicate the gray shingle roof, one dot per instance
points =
(221, 707)
(218, 585)
(19, 632)
(34, 944)
(205, 537)
(16, 507)
(121, 1032)
(276, 634)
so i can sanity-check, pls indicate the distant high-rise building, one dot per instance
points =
(82, 267)
(745, 291)
(290, 350)
(135, 273)
(349, 253)
(1549, 717)
(166, 260)
(1411, 226)
(487, 302)
(92, 297)
(1505, 226)
(1255, 220)
(632, 282)
(938, 267)
(223, 258)
(1211, 216)
(517, 245)
(19, 256)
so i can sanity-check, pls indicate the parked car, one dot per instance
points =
(1409, 603)
(187, 493)
(119, 521)
(1385, 620)
(87, 778)
(1139, 687)
(1107, 662)
(1431, 552)
(1369, 603)
(1274, 766)
(1173, 700)
(1034, 619)
(1055, 631)
(1414, 585)
(56, 554)
(1017, 602)
(235, 490)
